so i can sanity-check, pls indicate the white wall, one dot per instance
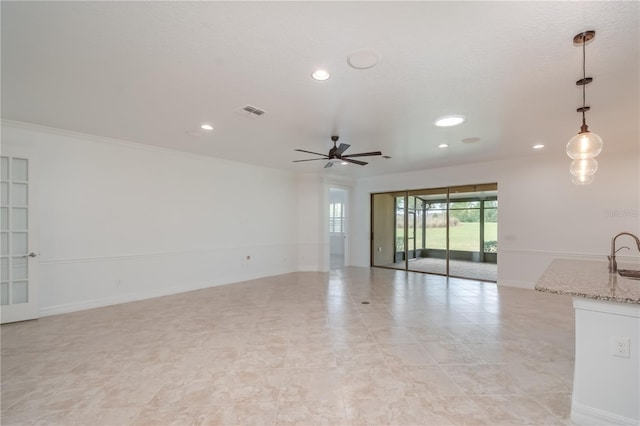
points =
(311, 219)
(542, 215)
(120, 221)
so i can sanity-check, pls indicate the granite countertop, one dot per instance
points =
(589, 279)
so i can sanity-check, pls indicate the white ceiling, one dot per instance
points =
(152, 72)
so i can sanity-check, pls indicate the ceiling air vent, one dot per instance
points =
(250, 111)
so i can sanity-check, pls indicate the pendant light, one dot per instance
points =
(582, 180)
(583, 167)
(585, 144)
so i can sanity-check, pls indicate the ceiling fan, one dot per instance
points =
(335, 154)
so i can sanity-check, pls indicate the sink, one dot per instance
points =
(629, 273)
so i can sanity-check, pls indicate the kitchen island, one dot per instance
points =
(606, 382)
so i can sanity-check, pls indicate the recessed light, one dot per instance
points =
(206, 127)
(538, 146)
(344, 163)
(320, 75)
(449, 120)
(443, 145)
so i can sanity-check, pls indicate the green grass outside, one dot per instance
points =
(465, 236)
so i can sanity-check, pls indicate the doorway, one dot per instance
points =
(337, 227)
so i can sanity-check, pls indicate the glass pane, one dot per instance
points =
(468, 233)
(4, 243)
(19, 169)
(19, 243)
(463, 235)
(4, 223)
(411, 228)
(490, 232)
(464, 228)
(5, 193)
(5, 293)
(19, 268)
(4, 168)
(18, 219)
(399, 233)
(4, 269)
(19, 194)
(430, 231)
(19, 292)
(436, 229)
(464, 204)
(420, 222)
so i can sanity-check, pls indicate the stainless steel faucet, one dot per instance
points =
(613, 265)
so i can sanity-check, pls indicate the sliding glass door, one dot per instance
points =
(431, 210)
(470, 234)
(448, 231)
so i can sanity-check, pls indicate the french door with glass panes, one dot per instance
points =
(18, 287)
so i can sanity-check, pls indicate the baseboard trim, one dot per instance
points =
(585, 415)
(143, 295)
(123, 298)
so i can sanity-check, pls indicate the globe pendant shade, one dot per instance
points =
(584, 145)
(583, 167)
(582, 180)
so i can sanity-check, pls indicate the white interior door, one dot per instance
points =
(18, 286)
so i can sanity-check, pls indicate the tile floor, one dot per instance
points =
(300, 349)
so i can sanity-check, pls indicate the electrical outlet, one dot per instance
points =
(620, 346)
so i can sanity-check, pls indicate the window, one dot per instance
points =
(336, 218)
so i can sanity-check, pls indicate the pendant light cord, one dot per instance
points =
(584, 78)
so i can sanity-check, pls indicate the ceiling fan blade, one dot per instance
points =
(360, 163)
(363, 154)
(342, 148)
(310, 152)
(329, 164)
(311, 159)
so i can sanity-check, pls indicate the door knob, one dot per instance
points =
(32, 254)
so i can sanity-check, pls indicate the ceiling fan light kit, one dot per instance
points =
(585, 145)
(336, 155)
